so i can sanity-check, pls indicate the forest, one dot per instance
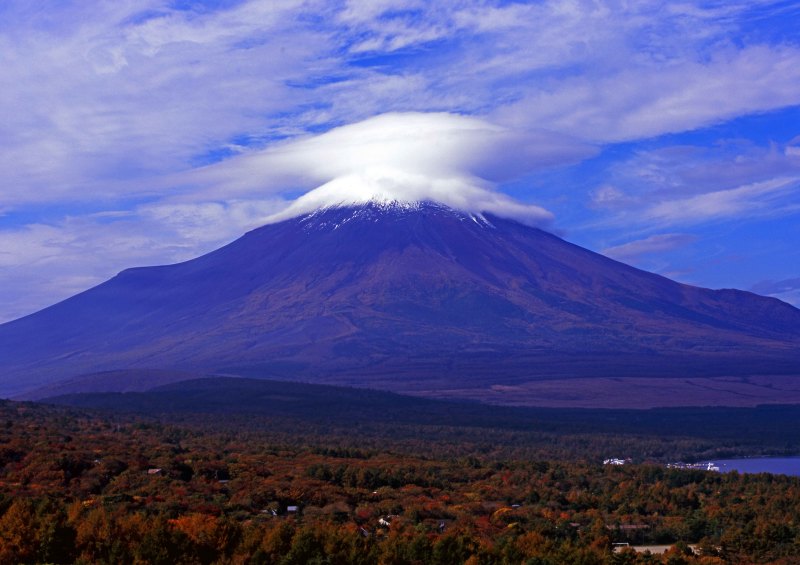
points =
(373, 418)
(80, 485)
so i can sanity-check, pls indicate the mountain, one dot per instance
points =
(417, 298)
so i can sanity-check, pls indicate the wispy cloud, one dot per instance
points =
(685, 184)
(634, 250)
(750, 200)
(654, 99)
(135, 90)
(128, 92)
(787, 290)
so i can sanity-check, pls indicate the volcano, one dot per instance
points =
(416, 298)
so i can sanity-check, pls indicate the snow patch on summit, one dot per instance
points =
(399, 189)
(371, 211)
(331, 218)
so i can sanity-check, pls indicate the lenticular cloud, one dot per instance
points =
(402, 157)
(408, 157)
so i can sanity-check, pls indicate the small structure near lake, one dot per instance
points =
(707, 466)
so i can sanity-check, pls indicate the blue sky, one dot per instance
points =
(136, 132)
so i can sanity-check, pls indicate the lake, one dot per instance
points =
(775, 465)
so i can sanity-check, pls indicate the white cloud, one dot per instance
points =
(200, 223)
(648, 100)
(117, 91)
(608, 196)
(400, 156)
(654, 244)
(135, 90)
(790, 297)
(727, 164)
(392, 185)
(749, 200)
(787, 290)
(688, 184)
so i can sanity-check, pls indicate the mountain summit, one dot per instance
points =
(414, 297)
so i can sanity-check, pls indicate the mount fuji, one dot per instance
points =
(414, 298)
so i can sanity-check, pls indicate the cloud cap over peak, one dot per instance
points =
(404, 157)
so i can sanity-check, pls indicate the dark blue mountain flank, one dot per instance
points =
(410, 298)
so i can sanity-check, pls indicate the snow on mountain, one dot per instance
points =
(390, 187)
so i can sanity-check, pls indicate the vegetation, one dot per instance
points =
(329, 415)
(86, 487)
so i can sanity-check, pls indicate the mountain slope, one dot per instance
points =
(408, 298)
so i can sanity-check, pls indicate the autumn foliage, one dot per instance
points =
(86, 488)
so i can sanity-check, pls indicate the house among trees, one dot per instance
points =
(386, 521)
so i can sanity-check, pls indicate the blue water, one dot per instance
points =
(775, 465)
